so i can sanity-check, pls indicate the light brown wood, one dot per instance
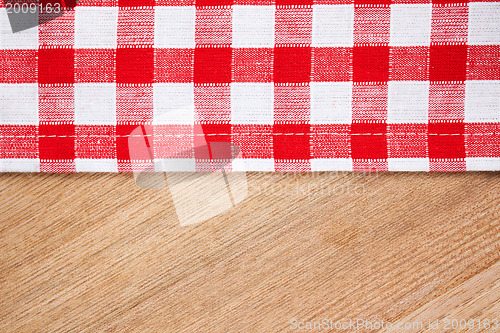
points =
(95, 253)
(464, 302)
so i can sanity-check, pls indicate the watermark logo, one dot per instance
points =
(27, 14)
(197, 196)
(200, 178)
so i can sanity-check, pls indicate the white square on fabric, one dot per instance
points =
(20, 165)
(252, 164)
(253, 26)
(482, 163)
(408, 164)
(252, 103)
(173, 103)
(333, 25)
(408, 102)
(19, 104)
(482, 101)
(96, 27)
(26, 39)
(410, 24)
(484, 23)
(328, 164)
(96, 165)
(331, 102)
(95, 103)
(175, 26)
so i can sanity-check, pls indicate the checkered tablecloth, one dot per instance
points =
(292, 85)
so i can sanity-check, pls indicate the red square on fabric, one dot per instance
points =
(446, 140)
(173, 141)
(291, 141)
(136, 27)
(136, 3)
(446, 101)
(213, 3)
(330, 141)
(294, 2)
(104, 3)
(292, 165)
(333, 2)
(175, 2)
(95, 142)
(217, 138)
(18, 66)
(56, 142)
(134, 104)
(56, 104)
(448, 62)
(483, 63)
(293, 25)
(70, 4)
(254, 2)
(95, 65)
(292, 64)
(253, 141)
(292, 103)
(57, 166)
(371, 64)
(214, 132)
(212, 65)
(370, 165)
(372, 2)
(449, 24)
(54, 29)
(56, 65)
(18, 141)
(369, 102)
(482, 140)
(142, 143)
(135, 65)
(445, 2)
(372, 24)
(253, 65)
(410, 1)
(213, 26)
(447, 165)
(332, 64)
(369, 140)
(409, 63)
(212, 104)
(407, 140)
(174, 65)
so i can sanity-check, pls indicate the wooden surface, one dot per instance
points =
(95, 253)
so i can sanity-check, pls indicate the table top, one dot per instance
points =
(94, 252)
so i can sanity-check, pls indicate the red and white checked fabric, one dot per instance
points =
(296, 85)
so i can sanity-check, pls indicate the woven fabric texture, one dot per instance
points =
(243, 85)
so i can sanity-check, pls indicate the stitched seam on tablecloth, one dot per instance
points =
(239, 134)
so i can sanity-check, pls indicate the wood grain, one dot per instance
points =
(95, 253)
(468, 301)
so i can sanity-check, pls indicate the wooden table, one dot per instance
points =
(96, 253)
